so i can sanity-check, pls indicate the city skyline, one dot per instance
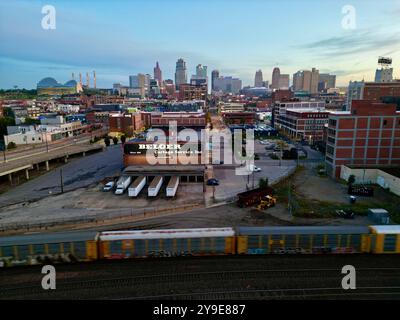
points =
(30, 53)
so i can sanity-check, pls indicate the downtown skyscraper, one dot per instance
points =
(180, 73)
(158, 74)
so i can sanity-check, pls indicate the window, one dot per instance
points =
(384, 122)
(330, 150)
(332, 122)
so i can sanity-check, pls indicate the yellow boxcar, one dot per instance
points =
(385, 239)
(166, 243)
(329, 239)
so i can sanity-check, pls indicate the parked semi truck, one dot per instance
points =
(136, 186)
(122, 184)
(155, 186)
(172, 186)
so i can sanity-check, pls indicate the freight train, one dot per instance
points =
(89, 246)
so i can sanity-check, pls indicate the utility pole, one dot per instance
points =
(61, 181)
(290, 197)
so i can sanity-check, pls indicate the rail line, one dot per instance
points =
(273, 293)
(224, 276)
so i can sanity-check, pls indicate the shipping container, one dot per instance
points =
(172, 186)
(155, 186)
(136, 186)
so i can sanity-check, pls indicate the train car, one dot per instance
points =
(166, 243)
(385, 239)
(48, 248)
(308, 239)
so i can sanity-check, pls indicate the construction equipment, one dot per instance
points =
(268, 202)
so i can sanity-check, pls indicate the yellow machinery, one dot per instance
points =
(267, 202)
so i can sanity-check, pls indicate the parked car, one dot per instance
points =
(109, 186)
(256, 169)
(212, 182)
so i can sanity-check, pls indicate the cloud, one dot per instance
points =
(363, 41)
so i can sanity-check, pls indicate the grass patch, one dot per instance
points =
(311, 208)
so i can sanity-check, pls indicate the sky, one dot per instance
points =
(121, 38)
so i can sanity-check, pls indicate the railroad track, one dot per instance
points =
(288, 293)
(235, 278)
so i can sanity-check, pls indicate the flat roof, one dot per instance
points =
(167, 234)
(304, 110)
(386, 229)
(303, 230)
(56, 237)
(165, 168)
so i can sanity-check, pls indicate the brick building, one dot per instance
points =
(239, 117)
(368, 134)
(192, 92)
(125, 123)
(183, 119)
(279, 109)
(305, 124)
(282, 95)
(378, 90)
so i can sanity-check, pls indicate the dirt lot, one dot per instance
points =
(92, 202)
(316, 196)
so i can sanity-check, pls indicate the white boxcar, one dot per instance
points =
(155, 186)
(172, 186)
(136, 186)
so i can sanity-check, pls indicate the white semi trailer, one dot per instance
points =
(123, 183)
(136, 186)
(172, 186)
(155, 186)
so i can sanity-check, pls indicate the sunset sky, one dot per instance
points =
(120, 38)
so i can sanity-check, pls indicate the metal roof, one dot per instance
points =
(386, 229)
(167, 234)
(302, 230)
(57, 237)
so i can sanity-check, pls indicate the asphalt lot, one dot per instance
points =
(77, 173)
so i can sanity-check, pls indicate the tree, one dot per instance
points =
(4, 122)
(115, 140)
(31, 121)
(351, 179)
(11, 145)
(263, 183)
(123, 139)
(107, 141)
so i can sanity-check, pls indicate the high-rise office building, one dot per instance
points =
(214, 75)
(306, 80)
(384, 75)
(200, 78)
(275, 78)
(158, 74)
(180, 73)
(329, 80)
(258, 79)
(228, 84)
(314, 81)
(201, 71)
(284, 81)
